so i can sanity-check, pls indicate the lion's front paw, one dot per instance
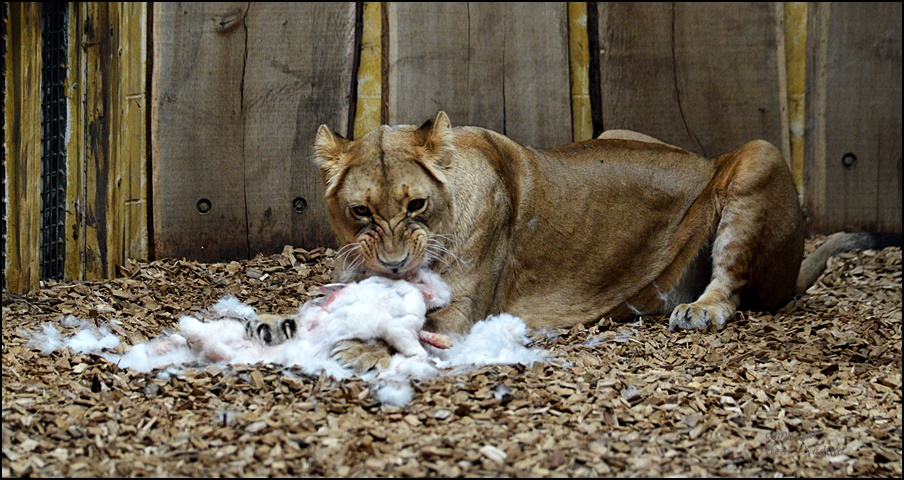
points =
(699, 316)
(362, 355)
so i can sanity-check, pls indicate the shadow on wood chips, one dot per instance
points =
(812, 390)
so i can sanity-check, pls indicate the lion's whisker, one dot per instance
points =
(346, 249)
(438, 251)
(431, 256)
(349, 256)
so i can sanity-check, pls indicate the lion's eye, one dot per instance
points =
(361, 211)
(416, 205)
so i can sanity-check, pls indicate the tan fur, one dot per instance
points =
(616, 226)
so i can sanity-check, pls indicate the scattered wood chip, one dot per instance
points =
(813, 390)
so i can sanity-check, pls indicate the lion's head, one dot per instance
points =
(387, 195)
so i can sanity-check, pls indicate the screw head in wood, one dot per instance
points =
(848, 160)
(204, 206)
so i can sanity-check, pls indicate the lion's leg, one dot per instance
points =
(756, 239)
(720, 299)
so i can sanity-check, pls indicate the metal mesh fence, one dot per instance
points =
(53, 139)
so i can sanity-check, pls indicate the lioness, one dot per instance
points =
(617, 226)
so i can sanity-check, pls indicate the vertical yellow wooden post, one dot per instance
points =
(74, 268)
(114, 131)
(579, 60)
(23, 146)
(95, 40)
(796, 67)
(370, 78)
(127, 220)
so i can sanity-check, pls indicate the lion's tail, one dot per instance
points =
(815, 263)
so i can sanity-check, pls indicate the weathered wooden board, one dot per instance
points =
(239, 91)
(22, 117)
(796, 82)
(97, 131)
(298, 76)
(114, 223)
(431, 73)
(502, 66)
(853, 154)
(74, 268)
(579, 61)
(704, 76)
(4, 14)
(537, 86)
(128, 219)
(369, 104)
(197, 135)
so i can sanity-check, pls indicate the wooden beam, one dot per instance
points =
(74, 268)
(115, 129)
(370, 71)
(579, 61)
(795, 14)
(127, 220)
(23, 146)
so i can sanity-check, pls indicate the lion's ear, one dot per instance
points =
(330, 156)
(438, 147)
(438, 135)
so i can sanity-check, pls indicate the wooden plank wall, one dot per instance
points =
(706, 77)
(113, 156)
(493, 65)
(239, 90)
(4, 14)
(22, 117)
(197, 134)
(291, 88)
(853, 154)
(106, 194)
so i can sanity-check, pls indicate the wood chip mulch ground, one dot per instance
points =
(812, 390)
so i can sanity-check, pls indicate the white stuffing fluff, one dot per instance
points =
(372, 308)
(376, 307)
(221, 342)
(231, 307)
(87, 340)
(395, 394)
